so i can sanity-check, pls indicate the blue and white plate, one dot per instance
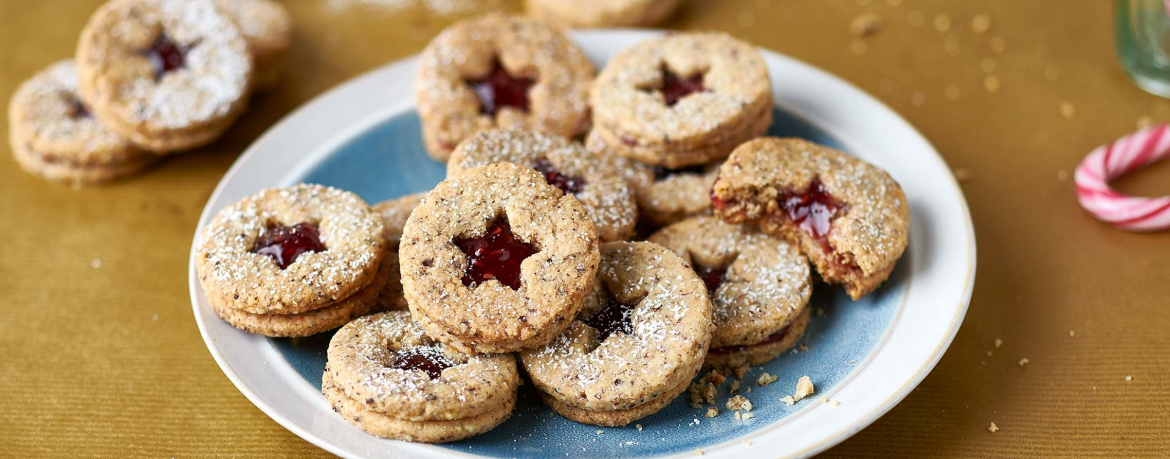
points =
(864, 355)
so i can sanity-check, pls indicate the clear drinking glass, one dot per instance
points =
(1143, 43)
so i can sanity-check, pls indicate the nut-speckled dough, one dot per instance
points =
(868, 234)
(394, 213)
(491, 316)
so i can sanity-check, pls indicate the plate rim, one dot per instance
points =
(627, 36)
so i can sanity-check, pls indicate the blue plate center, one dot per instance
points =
(389, 160)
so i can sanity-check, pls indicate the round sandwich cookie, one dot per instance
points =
(640, 338)
(497, 260)
(388, 378)
(307, 249)
(267, 28)
(682, 100)
(602, 13)
(592, 178)
(168, 75)
(54, 135)
(664, 195)
(848, 217)
(501, 71)
(759, 287)
(394, 214)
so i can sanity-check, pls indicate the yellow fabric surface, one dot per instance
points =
(101, 355)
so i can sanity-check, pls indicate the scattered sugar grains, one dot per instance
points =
(804, 388)
(738, 403)
(712, 412)
(866, 24)
(766, 379)
(981, 23)
(1023, 362)
(992, 428)
(788, 400)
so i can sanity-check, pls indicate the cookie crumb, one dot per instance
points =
(1068, 110)
(738, 403)
(852, 361)
(734, 387)
(716, 377)
(1127, 378)
(747, 416)
(698, 451)
(638, 426)
(991, 83)
(740, 371)
(820, 311)
(942, 23)
(788, 400)
(998, 343)
(1062, 175)
(981, 23)
(993, 428)
(1023, 362)
(738, 416)
(962, 175)
(599, 432)
(866, 24)
(712, 412)
(1072, 333)
(96, 263)
(747, 443)
(766, 379)
(804, 388)
(834, 403)
(804, 347)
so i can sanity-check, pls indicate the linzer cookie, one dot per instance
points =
(495, 259)
(640, 339)
(168, 75)
(847, 216)
(592, 178)
(682, 99)
(604, 13)
(267, 28)
(500, 71)
(385, 376)
(292, 261)
(394, 214)
(759, 287)
(664, 195)
(54, 135)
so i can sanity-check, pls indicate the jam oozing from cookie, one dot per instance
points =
(813, 210)
(77, 109)
(773, 338)
(285, 244)
(675, 88)
(501, 89)
(165, 55)
(428, 359)
(495, 255)
(570, 184)
(712, 276)
(662, 173)
(614, 316)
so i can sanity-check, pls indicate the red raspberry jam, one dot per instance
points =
(500, 89)
(613, 317)
(165, 55)
(77, 109)
(662, 173)
(428, 359)
(713, 276)
(570, 184)
(675, 88)
(495, 255)
(286, 243)
(773, 338)
(813, 210)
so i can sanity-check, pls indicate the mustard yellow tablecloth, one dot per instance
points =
(100, 356)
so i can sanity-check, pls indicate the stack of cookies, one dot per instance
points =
(524, 251)
(150, 78)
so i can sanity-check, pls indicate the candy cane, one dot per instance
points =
(1108, 162)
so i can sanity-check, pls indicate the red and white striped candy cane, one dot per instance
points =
(1108, 162)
